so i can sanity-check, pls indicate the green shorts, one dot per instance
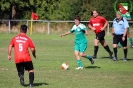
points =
(81, 47)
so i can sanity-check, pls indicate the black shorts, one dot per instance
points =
(100, 35)
(24, 66)
(118, 38)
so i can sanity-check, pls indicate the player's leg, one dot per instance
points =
(30, 68)
(106, 47)
(119, 45)
(124, 44)
(76, 53)
(96, 47)
(130, 38)
(79, 62)
(115, 42)
(20, 69)
(83, 47)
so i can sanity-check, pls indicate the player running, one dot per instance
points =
(80, 41)
(98, 24)
(22, 58)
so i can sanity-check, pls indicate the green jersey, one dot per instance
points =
(126, 15)
(79, 33)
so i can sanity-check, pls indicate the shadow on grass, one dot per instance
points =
(92, 67)
(105, 58)
(36, 84)
(128, 59)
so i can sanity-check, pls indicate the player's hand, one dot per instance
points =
(9, 57)
(113, 36)
(34, 55)
(102, 29)
(93, 28)
(123, 38)
(61, 35)
(86, 34)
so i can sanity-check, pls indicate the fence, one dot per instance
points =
(27, 22)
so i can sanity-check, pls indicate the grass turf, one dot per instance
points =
(53, 50)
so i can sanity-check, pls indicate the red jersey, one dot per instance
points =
(98, 23)
(21, 43)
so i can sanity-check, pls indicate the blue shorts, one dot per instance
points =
(81, 47)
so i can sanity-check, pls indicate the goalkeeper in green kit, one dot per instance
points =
(80, 41)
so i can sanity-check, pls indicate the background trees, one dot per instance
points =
(57, 9)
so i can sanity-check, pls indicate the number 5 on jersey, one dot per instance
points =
(20, 47)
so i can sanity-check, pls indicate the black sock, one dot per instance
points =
(95, 50)
(125, 53)
(20, 74)
(107, 49)
(31, 77)
(115, 52)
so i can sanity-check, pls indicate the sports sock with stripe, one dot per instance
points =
(131, 41)
(88, 57)
(79, 62)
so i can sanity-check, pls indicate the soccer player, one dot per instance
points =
(98, 23)
(119, 31)
(80, 41)
(126, 14)
(22, 58)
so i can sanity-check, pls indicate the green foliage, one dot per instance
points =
(58, 9)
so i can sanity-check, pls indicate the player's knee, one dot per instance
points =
(124, 47)
(31, 71)
(114, 45)
(103, 44)
(81, 54)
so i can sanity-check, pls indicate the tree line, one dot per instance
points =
(58, 9)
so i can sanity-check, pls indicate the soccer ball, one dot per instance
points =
(64, 66)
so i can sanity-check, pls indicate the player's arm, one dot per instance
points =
(32, 47)
(128, 19)
(67, 33)
(83, 27)
(9, 52)
(105, 25)
(86, 32)
(90, 26)
(112, 31)
(126, 26)
(33, 50)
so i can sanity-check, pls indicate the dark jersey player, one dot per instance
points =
(22, 58)
(98, 23)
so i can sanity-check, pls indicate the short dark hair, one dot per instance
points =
(23, 28)
(93, 11)
(77, 18)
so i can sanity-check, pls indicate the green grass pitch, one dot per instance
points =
(52, 51)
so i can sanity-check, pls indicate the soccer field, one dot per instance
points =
(52, 50)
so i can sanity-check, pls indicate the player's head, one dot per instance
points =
(77, 20)
(23, 29)
(94, 13)
(118, 15)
